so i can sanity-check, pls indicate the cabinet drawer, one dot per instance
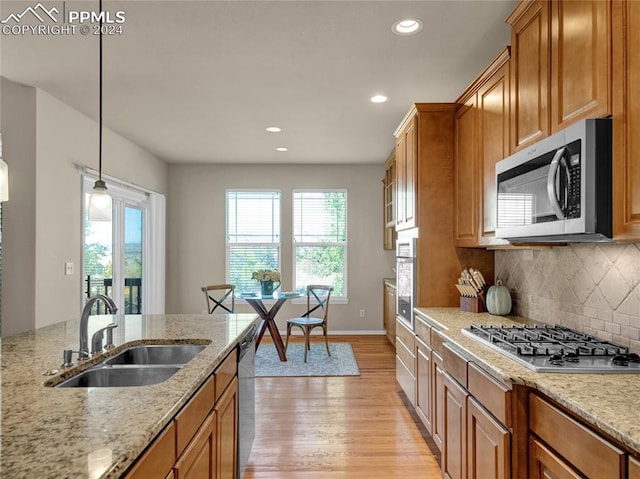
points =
(159, 458)
(189, 420)
(406, 379)
(582, 448)
(634, 468)
(491, 393)
(226, 372)
(423, 330)
(436, 341)
(455, 364)
(407, 355)
(405, 335)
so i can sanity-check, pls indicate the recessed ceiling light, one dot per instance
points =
(273, 129)
(378, 99)
(407, 26)
(282, 148)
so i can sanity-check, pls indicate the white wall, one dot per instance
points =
(42, 224)
(196, 233)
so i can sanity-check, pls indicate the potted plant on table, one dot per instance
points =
(267, 278)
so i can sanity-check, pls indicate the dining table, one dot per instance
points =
(268, 315)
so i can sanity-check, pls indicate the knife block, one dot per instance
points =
(472, 305)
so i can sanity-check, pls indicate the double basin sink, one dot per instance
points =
(140, 365)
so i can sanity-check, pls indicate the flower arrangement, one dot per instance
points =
(266, 275)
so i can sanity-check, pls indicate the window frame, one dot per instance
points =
(343, 298)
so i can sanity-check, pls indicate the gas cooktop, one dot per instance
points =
(556, 349)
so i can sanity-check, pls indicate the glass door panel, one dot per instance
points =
(133, 224)
(98, 259)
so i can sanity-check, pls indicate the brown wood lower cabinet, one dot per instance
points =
(227, 434)
(634, 468)
(424, 384)
(454, 413)
(199, 459)
(437, 387)
(488, 445)
(545, 464)
(201, 441)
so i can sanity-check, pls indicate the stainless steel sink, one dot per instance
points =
(157, 354)
(141, 365)
(106, 376)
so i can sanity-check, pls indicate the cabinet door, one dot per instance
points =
(227, 434)
(424, 395)
(530, 78)
(437, 386)
(580, 61)
(389, 313)
(454, 451)
(493, 146)
(634, 468)
(406, 176)
(466, 175)
(199, 458)
(626, 121)
(488, 445)
(544, 464)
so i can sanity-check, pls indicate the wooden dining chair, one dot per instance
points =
(219, 296)
(318, 297)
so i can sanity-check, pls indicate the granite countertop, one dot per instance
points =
(608, 401)
(390, 281)
(91, 433)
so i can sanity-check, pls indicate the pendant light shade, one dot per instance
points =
(100, 201)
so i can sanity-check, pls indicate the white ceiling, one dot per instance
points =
(199, 81)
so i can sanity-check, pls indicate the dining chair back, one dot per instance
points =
(220, 297)
(317, 315)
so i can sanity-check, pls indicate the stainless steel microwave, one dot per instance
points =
(559, 189)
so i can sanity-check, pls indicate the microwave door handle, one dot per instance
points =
(551, 183)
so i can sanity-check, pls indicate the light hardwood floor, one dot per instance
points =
(338, 427)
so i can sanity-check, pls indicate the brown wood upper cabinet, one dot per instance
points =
(530, 58)
(389, 203)
(482, 139)
(561, 66)
(406, 179)
(626, 121)
(580, 61)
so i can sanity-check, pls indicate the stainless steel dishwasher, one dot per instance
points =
(246, 399)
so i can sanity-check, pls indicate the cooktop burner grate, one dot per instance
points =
(556, 348)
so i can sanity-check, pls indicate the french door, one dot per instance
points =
(119, 255)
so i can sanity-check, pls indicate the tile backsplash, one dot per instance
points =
(594, 288)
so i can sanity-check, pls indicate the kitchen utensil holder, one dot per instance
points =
(472, 305)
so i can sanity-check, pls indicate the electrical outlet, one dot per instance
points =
(362, 313)
(68, 269)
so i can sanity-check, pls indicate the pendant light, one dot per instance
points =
(100, 201)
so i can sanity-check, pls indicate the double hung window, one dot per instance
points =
(253, 235)
(320, 238)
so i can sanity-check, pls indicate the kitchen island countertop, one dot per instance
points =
(609, 402)
(91, 433)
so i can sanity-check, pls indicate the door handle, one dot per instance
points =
(551, 183)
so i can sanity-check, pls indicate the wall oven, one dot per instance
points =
(406, 275)
(559, 189)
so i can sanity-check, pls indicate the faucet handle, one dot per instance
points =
(110, 329)
(96, 339)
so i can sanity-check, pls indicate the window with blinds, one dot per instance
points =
(253, 236)
(320, 238)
